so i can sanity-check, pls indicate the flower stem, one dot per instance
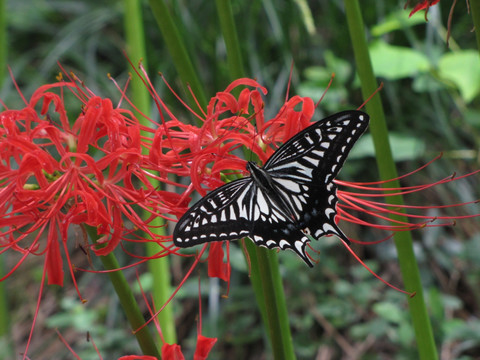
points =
(6, 340)
(178, 51)
(266, 280)
(3, 40)
(475, 10)
(229, 31)
(387, 170)
(127, 300)
(5, 330)
(275, 304)
(159, 268)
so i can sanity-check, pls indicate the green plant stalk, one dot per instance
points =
(265, 273)
(5, 328)
(475, 10)
(5, 331)
(268, 287)
(275, 304)
(3, 41)
(178, 52)
(159, 268)
(229, 32)
(135, 48)
(386, 166)
(161, 289)
(127, 300)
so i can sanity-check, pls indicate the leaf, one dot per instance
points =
(389, 311)
(403, 147)
(462, 68)
(398, 20)
(397, 62)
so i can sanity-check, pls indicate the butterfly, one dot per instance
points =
(292, 196)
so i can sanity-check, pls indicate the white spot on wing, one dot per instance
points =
(299, 246)
(331, 198)
(271, 243)
(257, 239)
(284, 244)
(327, 228)
(329, 211)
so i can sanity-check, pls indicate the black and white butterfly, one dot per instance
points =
(291, 197)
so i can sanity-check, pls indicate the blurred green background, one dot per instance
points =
(337, 309)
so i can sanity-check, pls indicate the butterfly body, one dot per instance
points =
(292, 196)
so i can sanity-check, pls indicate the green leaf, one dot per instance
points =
(396, 21)
(403, 147)
(462, 68)
(397, 62)
(389, 311)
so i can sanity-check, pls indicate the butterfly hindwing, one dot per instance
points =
(292, 196)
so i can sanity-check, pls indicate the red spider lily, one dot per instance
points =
(365, 199)
(58, 171)
(204, 153)
(422, 5)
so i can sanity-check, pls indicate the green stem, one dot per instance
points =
(3, 40)
(5, 330)
(127, 300)
(6, 340)
(178, 51)
(135, 48)
(265, 273)
(159, 268)
(229, 32)
(403, 240)
(475, 10)
(275, 304)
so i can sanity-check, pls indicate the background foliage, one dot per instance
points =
(337, 309)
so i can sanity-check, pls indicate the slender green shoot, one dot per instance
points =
(386, 166)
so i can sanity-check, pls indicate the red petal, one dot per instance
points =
(423, 5)
(204, 345)
(216, 267)
(53, 258)
(172, 352)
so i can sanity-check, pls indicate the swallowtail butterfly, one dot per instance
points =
(292, 196)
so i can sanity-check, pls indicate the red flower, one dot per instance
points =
(60, 173)
(365, 200)
(204, 154)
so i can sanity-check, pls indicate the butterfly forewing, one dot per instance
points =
(224, 214)
(292, 196)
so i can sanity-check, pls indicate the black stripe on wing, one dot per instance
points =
(320, 150)
(223, 214)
